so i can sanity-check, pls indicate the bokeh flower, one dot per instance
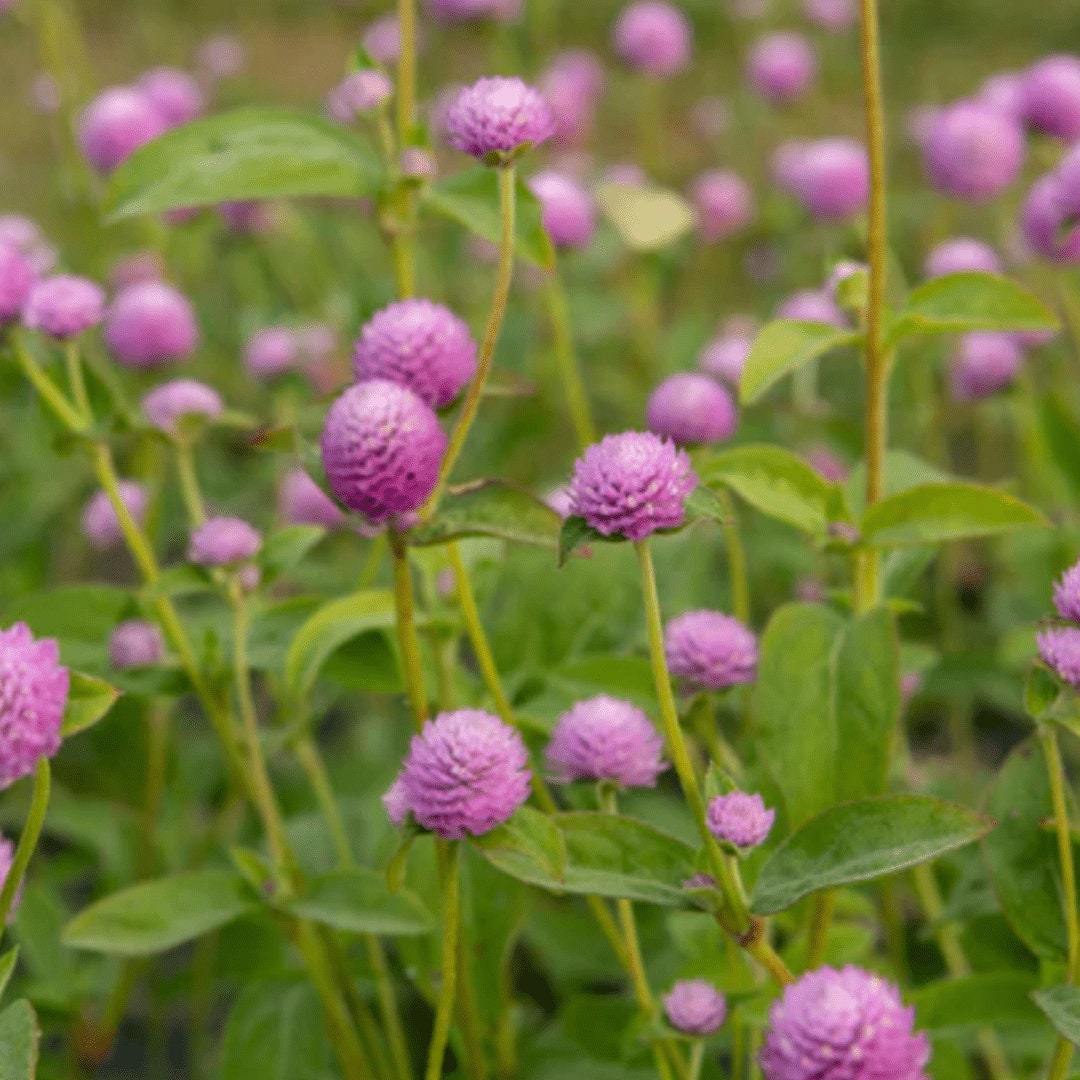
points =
(740, 819)
(708, 650)
(695, 1007)
(691, 409)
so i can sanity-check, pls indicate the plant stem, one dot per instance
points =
(566, 361)
(406, 80)
(35, 818)
(189, 483)
(444, 1010)
(311, 762)
(697, 1059)
(408, 639)
(157, 752)
(73, 363)
(737, 567)
(820, 917)
(47, 389)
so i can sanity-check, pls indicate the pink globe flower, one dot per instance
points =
(64, 306)
(7, 848)
(812, 305)
(831, 178)
(691, 409)
(175, 94)
(465, 773)
(569, 213)
(740, 819)
(360, 92)
(99, 521)
(1047, 222)
(495, 119)
(695, 1007)
(972, 151)
(653, 37)
(382, 447)
(983, 364)
(959, 255)
(419, 344)
(21, 233)
(224, 541)
(302, 502)
(417, 164)
(17, 279)
(725, 357)
(1059, 648)
(1067, 594)
(844, 1025)
(782, 67)
(632, 485)
(135, 643)
(572, 85)
(33, 697)
(724, 203)
(832, 15)
(707, 650)
(603, 738)
(786, 164)
(116, 123)
(1051, 96)
(168, 405)
(222, 56)
(272, 352)
(1005, 93)
(150, 324)
(382, 40)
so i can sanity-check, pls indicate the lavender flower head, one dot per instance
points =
(1067, 594)
(724, 202)
(64, 306)
(33, 697)
(961, 254)
(1059, 648)
(782, 67)
(984, 363)
(842, 1024)
(653, 37)
(691, 409)
(1004, 92)
(831, 178)
(695, 1007)
(20, 232)
(603, 738)
(99, 520)
(358, 93)
(812, 305)
(222, 56)
(17, 278)
(740, 819)
(465, 773)
(708, 650)
(972, 151)
(116, 123)
(272, 352)
(831, 15)
(150, 324)
(1051, 96)
(725, 357)
(419, 344)
(168, 405)
(382, 447)
(175, 94)
(631, 485)
(135, 643)
(568, 210)
(495, 119)
(7, 847)
(1047, 221)
(572, 85)
(382, 40)
(302, 502)
(224, 541)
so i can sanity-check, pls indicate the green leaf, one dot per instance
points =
(704, 504)
(986, 999)
(529, 847)
(157, 915)
(958, 303)
(471, 198)
(1061, 1005)
(646, 218)
(19, 1036)
(490, 508)
(826, 702)
(359, 901)
(251, 153)
(1061, 431)
(935, 513)
(7, 967)
(284, 549)
(860, 841)
(576, 534)
(89, 699)
(784, 346)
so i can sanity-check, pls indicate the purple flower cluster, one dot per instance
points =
(496, 118)
(224, 541)
(708, 650)
(135, 643)
(830, 177)
(1059, 646)
(568, 210)
(740, 819)
(962, 254)
(150, 324)
(358, 93)
(653, 37)
(302, 502)
(973, 151)
(782, 67)
(572, 85)
(1048, 217)
(168, 405)
(64, 306)
(691, 409)
(100, 524)
(17, 279)
(695, 1007)
(983, 364)
(724, 203)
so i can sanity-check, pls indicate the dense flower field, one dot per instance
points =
(550, 554)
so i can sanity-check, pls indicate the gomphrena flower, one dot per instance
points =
(33, 697)
(725, 356)
(831, 178)
(568, 210)
(1047, 222)
(740, 819)
(224, 541)
(149, 324)
(382, 40)
(63, 306)
(382, 447)
(116, 123)
(782, 67)
(495, 119)
(708, 650)
(1051, 96)
(358, 93)
(984, 363)
(22, 233)
(831, 15)
(7, 847)
(135, 643)
(632, 484)
(302, 502)
(812, 305)
(176, 94)
(972, 151)
(168, 405)
(691, 409)
(1067, 594)
(17, 278)
(272, 352)
(842, 1024)
(724, 203)
(1004, 92)
(419, 344)
(572, 85)
(604, 738)
(695, 1007)
(465, 773)
(1059, 648)
(961, 254)
(653, 37)
(221, 56)
(99, 520)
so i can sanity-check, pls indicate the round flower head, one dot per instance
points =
(396, 803)
(691, 409)
(17, 278)
(358, 93)
(725, 357)
(302, 502)
(1047, 225)
(175, 94)
(224, 541)
(631, 485)
(831, 178)
(653, 37)
(33, 697)
(831, 15)
(569, 213)
(604, 738)
(20, 232)
(842, 1025)
(417, 164)
(1051, 96)
(382, 40)
(782, 67)
(419, 344)
(811, 305)
(972, 151)
(495, 119)
(63, 306)
(572, 86)
(99, 520)
(116, 123)
(959, 255)
(983, 364)
(786, 164)
(149, 324)
(695, 1007)
(708, 650)
(465, 773)
(272, 352)
(222, 56)
(1059, 648)
(740, 819)
(382, 447)
(167, 405)
(1005, 93)
(135, 643)
(7, 848)
(724, 202)
(1067, 594)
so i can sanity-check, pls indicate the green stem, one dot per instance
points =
(1048, 738)
(566, 361)
(697, 1059)
(821, 914)
(189, 483)
(313, 766)
(47, 390)
(157, 751)
(35, 818)
(444, 1009)
(408, 639)
(406, 80)
(1061, 1060)
(737, 565)
(76, 378)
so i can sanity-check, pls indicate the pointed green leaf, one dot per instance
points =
(19, 1037)
(986, 999)
(784, 346)
(284, 549)
(1061, 1006)
(89, 699)
(577, 534)
(359, 901)
(7, 967)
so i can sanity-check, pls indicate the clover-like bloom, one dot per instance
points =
(1051, 96)
(302, 502)
(1059, 648)
(842, 1024)
(568, 210)
(1048, 223)
(419, 344)
(33, 697)
(495, 118)
(740, 819)
(1067, 594)
(572, 85)
(396, 803)
(224, 541)
(382, 40)
(99, 521)
(176, 94)
(691, 409)
(382, 447)
(724, 203)
(632, 484)
(271, 352)
(831, 178)
(149, 324)
(604, 738)
(984, 363)
(961, 254)
(465, 773)
(63, 306)
(708, 650)
(116, 123)
(695, 1007)
(812, 305)
(782, 67)
(725, 356)
(653, 37)
(22, 233)
(17, 279)
(973, 151)
(167, 405)
(7, 850)
(358, 93)
(135, 643)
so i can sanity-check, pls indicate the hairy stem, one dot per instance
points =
(408, 639)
